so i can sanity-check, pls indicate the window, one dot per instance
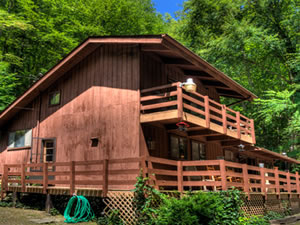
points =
(48, 153)
(54, 98)
(198, 151)
(229, 155)
(20, 138)
(178, 147)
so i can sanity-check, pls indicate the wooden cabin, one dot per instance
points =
(117, 104)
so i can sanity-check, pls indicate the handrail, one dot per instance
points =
(220, 175)
(22, 174)
(198, 104)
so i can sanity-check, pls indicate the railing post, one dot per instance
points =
(276, 175)
(224, 119)
(297, 182)
(23, 177)
(252, 131)
(288, 181)
(45, 177)
(245, 178)
(179, 176)
(4, 185)
(263, 180)
(238, 125)
(206, 106)
(179, 101)
(223, 174)
(105, 178)
(72, 177)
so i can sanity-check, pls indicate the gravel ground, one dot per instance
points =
(12, 216)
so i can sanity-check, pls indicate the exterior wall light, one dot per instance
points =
(241, 148)
(189, 85)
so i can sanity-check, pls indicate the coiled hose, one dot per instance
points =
(83, 211)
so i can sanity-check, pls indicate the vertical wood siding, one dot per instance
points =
(99, 98)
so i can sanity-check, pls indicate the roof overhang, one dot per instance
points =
(163, 45)
(271, 155)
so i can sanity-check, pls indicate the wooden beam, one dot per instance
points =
(176, 61)
(197, 73)
(219, 138)
(230, 143)
(205, 132)
(213, 83)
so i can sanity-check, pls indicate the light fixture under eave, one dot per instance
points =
(182, 126)
(241, 147)
(189, 85)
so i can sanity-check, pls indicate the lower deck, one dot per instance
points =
(97, 178)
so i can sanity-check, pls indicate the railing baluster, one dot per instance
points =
(276, 175)
(207, 115)
(288, 181)
(179, 102)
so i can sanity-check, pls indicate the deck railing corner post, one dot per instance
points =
(105, 178)
(224, 119)
(23, 177)
(246, 178)
(179, 102)
(223, 174)
(207, 111)
(45, 177)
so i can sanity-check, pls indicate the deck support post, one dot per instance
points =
(263, 180)
(4, 185)
(49, 204)
(179, 176)
(14, 199)
(45, 177)
(223, 174)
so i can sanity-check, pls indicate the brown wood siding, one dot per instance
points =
(155, 73)
(99, 98)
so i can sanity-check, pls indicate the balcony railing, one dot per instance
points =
(171, 103)
(164, 174)
(219, 175)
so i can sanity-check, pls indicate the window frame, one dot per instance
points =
(26, 139)
(185, 143)
(199, 143)
(52, 94)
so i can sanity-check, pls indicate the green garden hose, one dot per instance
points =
(83, 211)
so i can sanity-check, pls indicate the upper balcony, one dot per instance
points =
(170, 104)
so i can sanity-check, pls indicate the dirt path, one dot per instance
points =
(12, 216)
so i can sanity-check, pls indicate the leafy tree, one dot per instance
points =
(255, 43)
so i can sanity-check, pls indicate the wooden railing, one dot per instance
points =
(172, 96)
(219, 175)
(99, 174)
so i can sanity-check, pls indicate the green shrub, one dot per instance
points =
(253, 220)
(54, 212)
(112, 219)
(271, 215)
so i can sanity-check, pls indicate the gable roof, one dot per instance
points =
(168, 49)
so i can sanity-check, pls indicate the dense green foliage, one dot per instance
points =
(254, 42)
